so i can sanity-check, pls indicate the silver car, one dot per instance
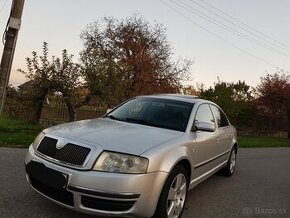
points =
(139, 160)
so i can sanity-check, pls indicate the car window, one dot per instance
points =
(163, 113)
(220, 116)
(204, 114)
(132, 111)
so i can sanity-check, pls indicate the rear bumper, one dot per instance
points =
(102, 193)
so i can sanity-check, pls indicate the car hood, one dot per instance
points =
(115, 135)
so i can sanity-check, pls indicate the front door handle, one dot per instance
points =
(218, 139)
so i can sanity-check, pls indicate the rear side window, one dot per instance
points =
(220, 116)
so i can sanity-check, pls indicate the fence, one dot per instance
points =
(264, 126)
(56, 112)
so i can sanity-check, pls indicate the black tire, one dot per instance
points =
(162, 206)
(227, 170)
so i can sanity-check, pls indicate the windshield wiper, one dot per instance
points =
(113, 117)
(140, 121)
(132, 120)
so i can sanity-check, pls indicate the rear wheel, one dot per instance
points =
(173, 196)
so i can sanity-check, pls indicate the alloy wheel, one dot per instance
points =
(233, 161)
(176, 196)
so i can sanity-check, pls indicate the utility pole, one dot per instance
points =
(13, 26)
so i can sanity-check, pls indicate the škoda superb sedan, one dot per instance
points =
(139, 160)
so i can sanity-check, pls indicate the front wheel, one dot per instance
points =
(173, 196)
(231, 165)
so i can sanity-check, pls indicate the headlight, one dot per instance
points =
(121, 163)
(37, 140)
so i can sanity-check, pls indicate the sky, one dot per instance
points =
(219, 53)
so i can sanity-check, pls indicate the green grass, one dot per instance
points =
(15, 133)
(262, 141)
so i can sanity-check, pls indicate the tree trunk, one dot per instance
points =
(288, 113)
(39, 105)
(71, 109)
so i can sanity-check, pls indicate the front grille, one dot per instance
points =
(107, 205)
(62, 196)
(70, 153)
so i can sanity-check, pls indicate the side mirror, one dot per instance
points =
(203, 126)
(108, 110)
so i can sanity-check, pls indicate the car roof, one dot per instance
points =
(178, 97)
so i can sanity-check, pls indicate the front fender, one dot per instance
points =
(165, 157)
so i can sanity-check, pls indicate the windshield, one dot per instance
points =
(163, 113)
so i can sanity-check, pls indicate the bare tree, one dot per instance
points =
(56, 75)
(39, 71)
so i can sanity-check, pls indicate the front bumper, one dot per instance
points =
(104, 193)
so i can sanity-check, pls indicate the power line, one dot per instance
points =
(243, 23)
(242, 27)
(229, 28)
(219, 37)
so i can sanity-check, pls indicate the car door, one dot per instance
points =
(224, 131)
(205, 143)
